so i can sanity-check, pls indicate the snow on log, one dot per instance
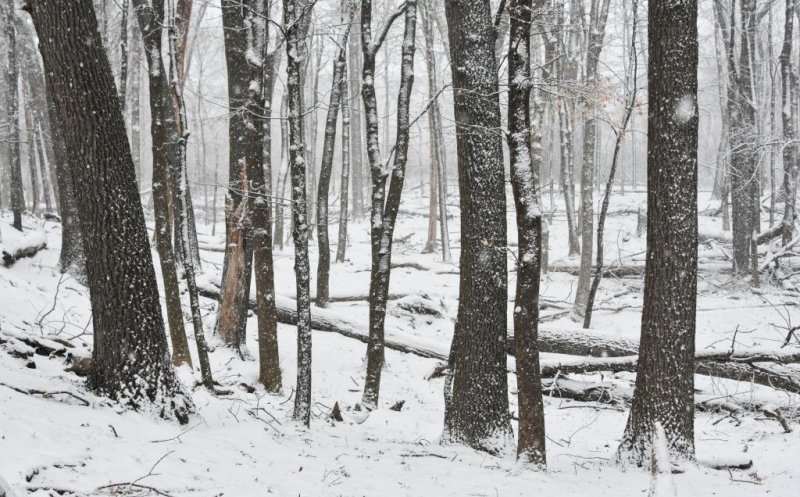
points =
(661, 483)
(16, 245)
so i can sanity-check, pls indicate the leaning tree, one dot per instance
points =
(130, 358)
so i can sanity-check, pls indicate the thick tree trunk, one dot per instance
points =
(476, 394)
(130, 359)
(163, 146)
(326, 170)
(12, 111)
(665, 380)
(384, 208)
(296, 14)
(531, 438)
(237, 265)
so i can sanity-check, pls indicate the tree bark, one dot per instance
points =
(344, 189)
(164, 143)
(296, 14)
(384, 208)
(326, 169)
(356, 133)
(790, 166)
(476, 393)
(665, 381)
(531, 437)
(130, 359)
(12, 111)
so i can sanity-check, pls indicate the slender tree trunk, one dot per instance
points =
(357, 116)
(384, 208)
(134, 94)
(182, 204)
(665, 374)
(438, 200)
(531, 439)
(31, 149)
(790, 166)
(476, 393)
(130, 360)
(162, 120)
(596, 34)
(123, 56)
(326, 169)
(12, 111)
(38, 139)
(296, 15)
(567, 183)
(344, 190)
(601, 222)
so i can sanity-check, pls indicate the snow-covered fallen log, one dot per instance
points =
(17, 245)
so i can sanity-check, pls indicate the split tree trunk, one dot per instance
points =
(164, 143)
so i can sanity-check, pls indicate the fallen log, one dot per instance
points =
(762, 368)
(556, 340)
(26, 245)
(770, 234)
(608, 272)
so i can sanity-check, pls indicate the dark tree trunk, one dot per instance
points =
(476, 406)
(326, 169)
(384, 208)
(130, 359)
(182, 205)
(164, 143)
(295, 15)
(790, 166)
(743, 138)
(237, 266)
(123, 56)
(531, 439)
(12, 111)
(665, 377)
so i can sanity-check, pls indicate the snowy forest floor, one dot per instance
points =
(244, 444)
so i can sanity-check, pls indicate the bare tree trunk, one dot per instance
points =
(531, 438)
(38, 139)
(357, 116)
(123, 56)
(596, 34)
(476, 392)
(438, 200)
(790, 166)
(326, 169)
(344, 190)
(296, 14)
(150, 21)
(12, 111)
(665, 377)
(130, 360)
(384, 208)
(181, 202)
(601, 222)
(31, 149)
(134, 94)
(567, 183)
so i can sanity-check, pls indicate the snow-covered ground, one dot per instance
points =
(245, 444)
